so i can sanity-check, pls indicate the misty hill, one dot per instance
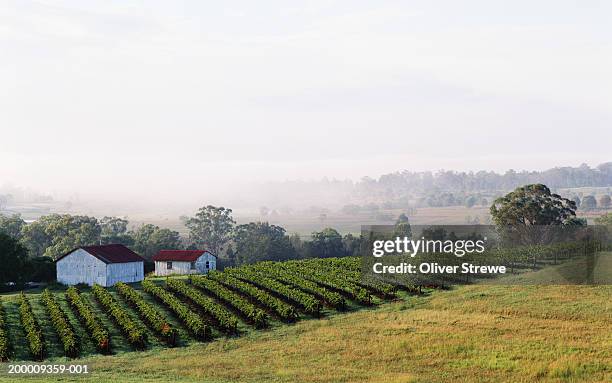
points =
(398, 190)
(404, 186)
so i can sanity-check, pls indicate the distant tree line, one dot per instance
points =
(28, 250)
(446, 199)
(56, 234)
(31, 249)
(214, 228)
(405, 189)
(451, 188)
(591, 202)
(398, 183)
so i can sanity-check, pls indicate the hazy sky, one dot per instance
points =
(143, 97)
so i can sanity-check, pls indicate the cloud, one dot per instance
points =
(201, 92)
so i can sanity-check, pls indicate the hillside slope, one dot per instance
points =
(473, 334)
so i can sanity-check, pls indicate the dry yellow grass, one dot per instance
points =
(471, 334)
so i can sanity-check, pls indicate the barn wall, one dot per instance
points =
(81, 267)
(201, 263)
(124, 272)
(177, 268)
(185, 267)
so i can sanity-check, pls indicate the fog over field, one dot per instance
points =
(168, 107)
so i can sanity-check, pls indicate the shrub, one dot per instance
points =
(134, 333)
(34, 335)
(85, 314)
(249, 311)
(306, 301)
(41, 269)
(4, 342)
(194, 323)
(274, 270)
(226, 320)
(148, 313)
(335, 282)
(61, 324)
(284, 311)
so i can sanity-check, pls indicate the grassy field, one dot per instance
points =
(475, 333)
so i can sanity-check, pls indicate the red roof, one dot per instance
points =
(113, 253)
(179, 255)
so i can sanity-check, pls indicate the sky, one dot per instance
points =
(149, 99)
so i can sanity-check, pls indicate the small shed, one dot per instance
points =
(104, 265)
(168, 262)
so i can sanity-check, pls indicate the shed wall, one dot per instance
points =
(81, 267)
(124, 272)
(182, 268)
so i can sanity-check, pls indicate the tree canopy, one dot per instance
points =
(589, 202)
(54, 235)
(402, 227)
(532, 205)
(605, 220)
(148, 239)
(326, 243)
(115, 230)
(13, 258)
(259, 241)
(12, 225)
(211, 228)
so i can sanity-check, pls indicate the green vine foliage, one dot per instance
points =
(61, 324)
(34, 336)
(91, 322)
(134, 333)
(148, 313)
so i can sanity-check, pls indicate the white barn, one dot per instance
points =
(169, 262)
(104, 265)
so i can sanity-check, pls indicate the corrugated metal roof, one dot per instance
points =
(179, 255)
(113, 253)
